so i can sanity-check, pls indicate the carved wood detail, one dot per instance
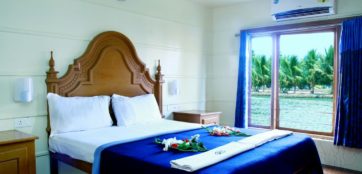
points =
(109, 65)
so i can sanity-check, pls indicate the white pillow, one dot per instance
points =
(123, 110)
(68, 114)
(133, 110)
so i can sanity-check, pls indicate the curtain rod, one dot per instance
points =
(291, 29)
(299, 26)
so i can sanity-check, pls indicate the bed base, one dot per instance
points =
(87, 167)
(79, 164)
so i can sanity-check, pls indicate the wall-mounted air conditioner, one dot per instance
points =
(296, 9)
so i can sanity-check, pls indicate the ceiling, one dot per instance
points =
(218, 3)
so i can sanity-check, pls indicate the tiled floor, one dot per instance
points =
(332, 170)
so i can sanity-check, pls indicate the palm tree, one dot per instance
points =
(295, 71)
(255, 78)
(312, 69)
(284, 76)
(261, 76)
(290, 73)
(327, 62)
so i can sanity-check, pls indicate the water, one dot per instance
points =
(314, 114)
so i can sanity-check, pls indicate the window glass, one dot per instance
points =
(306, 81)
(261, 81)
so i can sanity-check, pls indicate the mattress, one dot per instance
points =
(82, 145)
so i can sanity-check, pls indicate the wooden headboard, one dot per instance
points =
(109, 65)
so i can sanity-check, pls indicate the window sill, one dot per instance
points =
(314, 136)
(321, 137)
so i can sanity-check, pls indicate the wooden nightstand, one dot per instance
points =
(17, 152)
(202, 117)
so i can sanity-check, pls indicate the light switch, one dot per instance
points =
(22, 122)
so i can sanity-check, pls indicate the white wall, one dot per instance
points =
(178, 32)
(174, 31)
(222, 67)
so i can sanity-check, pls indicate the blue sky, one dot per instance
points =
(296, 44)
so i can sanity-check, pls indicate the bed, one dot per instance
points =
(110, 65)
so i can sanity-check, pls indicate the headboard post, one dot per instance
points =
(52, 83)
(158, 86)
(52, 78)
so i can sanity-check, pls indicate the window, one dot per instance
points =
(293, 79)
(262, 49)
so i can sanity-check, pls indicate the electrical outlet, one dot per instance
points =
(173, 108)
(178, 107)
(22, 122)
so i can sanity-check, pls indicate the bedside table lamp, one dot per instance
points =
(23, 90)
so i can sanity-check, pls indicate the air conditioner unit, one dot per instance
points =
(296, 9)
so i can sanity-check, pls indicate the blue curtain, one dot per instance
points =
(241, 117)
(348, 129)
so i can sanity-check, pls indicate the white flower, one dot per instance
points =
(216, 129)
(168, 142)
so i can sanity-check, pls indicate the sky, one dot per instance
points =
(295, 44)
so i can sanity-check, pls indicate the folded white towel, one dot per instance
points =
(195, 162)
(262, 138)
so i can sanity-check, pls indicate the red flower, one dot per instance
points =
(174, 146)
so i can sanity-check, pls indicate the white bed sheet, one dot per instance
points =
(82, 145)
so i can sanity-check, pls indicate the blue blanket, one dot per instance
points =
(292, 154)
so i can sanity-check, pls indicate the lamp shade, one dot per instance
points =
(23, 90)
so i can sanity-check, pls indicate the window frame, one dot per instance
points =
(300, 28)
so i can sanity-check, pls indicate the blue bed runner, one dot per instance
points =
(291, 154)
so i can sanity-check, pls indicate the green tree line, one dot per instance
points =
(314, 69)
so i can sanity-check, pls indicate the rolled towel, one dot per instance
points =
(262, 138)
(195, 162)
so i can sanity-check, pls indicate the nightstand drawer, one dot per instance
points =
(210, 120)
(201, 117)
(10, 166)
(17, 153)
(13, 159)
